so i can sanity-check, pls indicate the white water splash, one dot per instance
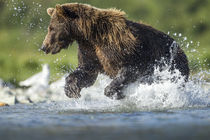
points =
(161, 95)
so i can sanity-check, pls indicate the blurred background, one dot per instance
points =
(23, 26)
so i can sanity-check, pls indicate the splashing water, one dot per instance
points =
(161, 95)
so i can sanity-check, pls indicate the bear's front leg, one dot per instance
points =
(125, 76)
(81, 77)
(72, 89)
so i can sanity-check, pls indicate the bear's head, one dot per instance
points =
(59, 34)
(82, 22)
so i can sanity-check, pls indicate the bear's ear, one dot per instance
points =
(65, 11)
(50, 11)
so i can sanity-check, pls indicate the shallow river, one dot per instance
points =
(38, 121)
(163, 110)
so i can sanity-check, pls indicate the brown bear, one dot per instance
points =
(111, 44)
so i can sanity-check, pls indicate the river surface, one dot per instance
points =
(41, 121)
(162, 110)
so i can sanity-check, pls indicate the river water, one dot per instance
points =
(163, 110)
(38, 121)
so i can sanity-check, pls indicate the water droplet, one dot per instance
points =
(193, 50)
(185, 38)
(187, 46)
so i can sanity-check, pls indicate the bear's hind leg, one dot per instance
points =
(126, 76)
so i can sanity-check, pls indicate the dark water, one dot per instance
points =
(48, 121)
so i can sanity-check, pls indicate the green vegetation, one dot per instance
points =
(23, 25)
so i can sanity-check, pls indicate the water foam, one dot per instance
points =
(160, 95)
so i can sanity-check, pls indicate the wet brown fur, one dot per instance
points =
(109, 43)
(111, 39)
(111, 33)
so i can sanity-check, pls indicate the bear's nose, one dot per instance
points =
(43, 48)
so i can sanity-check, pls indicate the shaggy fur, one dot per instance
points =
(110, 44)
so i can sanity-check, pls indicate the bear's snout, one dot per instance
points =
(43, 48)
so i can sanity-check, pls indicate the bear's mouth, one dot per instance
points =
(56, 48)
(49, 49)
(59, 47)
